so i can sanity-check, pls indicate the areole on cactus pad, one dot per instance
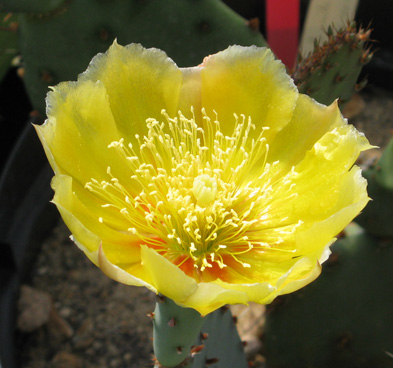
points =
(213, 184)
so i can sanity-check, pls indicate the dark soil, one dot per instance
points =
(97, 322)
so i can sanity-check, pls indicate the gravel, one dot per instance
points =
(95, 321)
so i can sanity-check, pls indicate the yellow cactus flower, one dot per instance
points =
(215, 184)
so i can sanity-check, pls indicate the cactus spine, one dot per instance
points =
(331, 71)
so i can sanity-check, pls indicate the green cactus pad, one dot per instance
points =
(331, 71)
(30, 6)
(377, 217)
(58, 47)
(175, 329)
(183, 339)
(384, 168)
(222, 345)
(342, 320)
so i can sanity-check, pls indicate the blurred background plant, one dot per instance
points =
(45, 42)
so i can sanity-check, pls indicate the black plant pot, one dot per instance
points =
(26, 217)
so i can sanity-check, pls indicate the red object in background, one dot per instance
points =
(282, 28)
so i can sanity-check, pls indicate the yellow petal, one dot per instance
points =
(304, 271)
(135, 274)
(139, 83)
(81, 212)
(301, 273)
(310, 121)
(247, 80)
(190, 93)
(211, 296)
(68, 205)
(78, 130)
(325, 184)
(167, 278)
(253, 291)
(353, 199)
(110, 101)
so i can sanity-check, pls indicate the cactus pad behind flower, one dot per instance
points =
(223, 347)
(377, 217)
(331, 71)
(344, 319)
(58, 44)
(384, 169)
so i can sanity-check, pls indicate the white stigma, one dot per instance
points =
(204, 189)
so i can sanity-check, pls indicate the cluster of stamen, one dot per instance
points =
(196, 195)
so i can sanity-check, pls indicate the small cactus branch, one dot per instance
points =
(332, 70)
(175, 331)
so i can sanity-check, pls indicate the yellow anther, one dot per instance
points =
(193, 192)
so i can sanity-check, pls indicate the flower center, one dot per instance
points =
(192, 193)
(204, 189)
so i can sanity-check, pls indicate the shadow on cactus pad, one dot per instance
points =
(342, 320)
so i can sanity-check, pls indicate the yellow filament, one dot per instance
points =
(198, 194)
